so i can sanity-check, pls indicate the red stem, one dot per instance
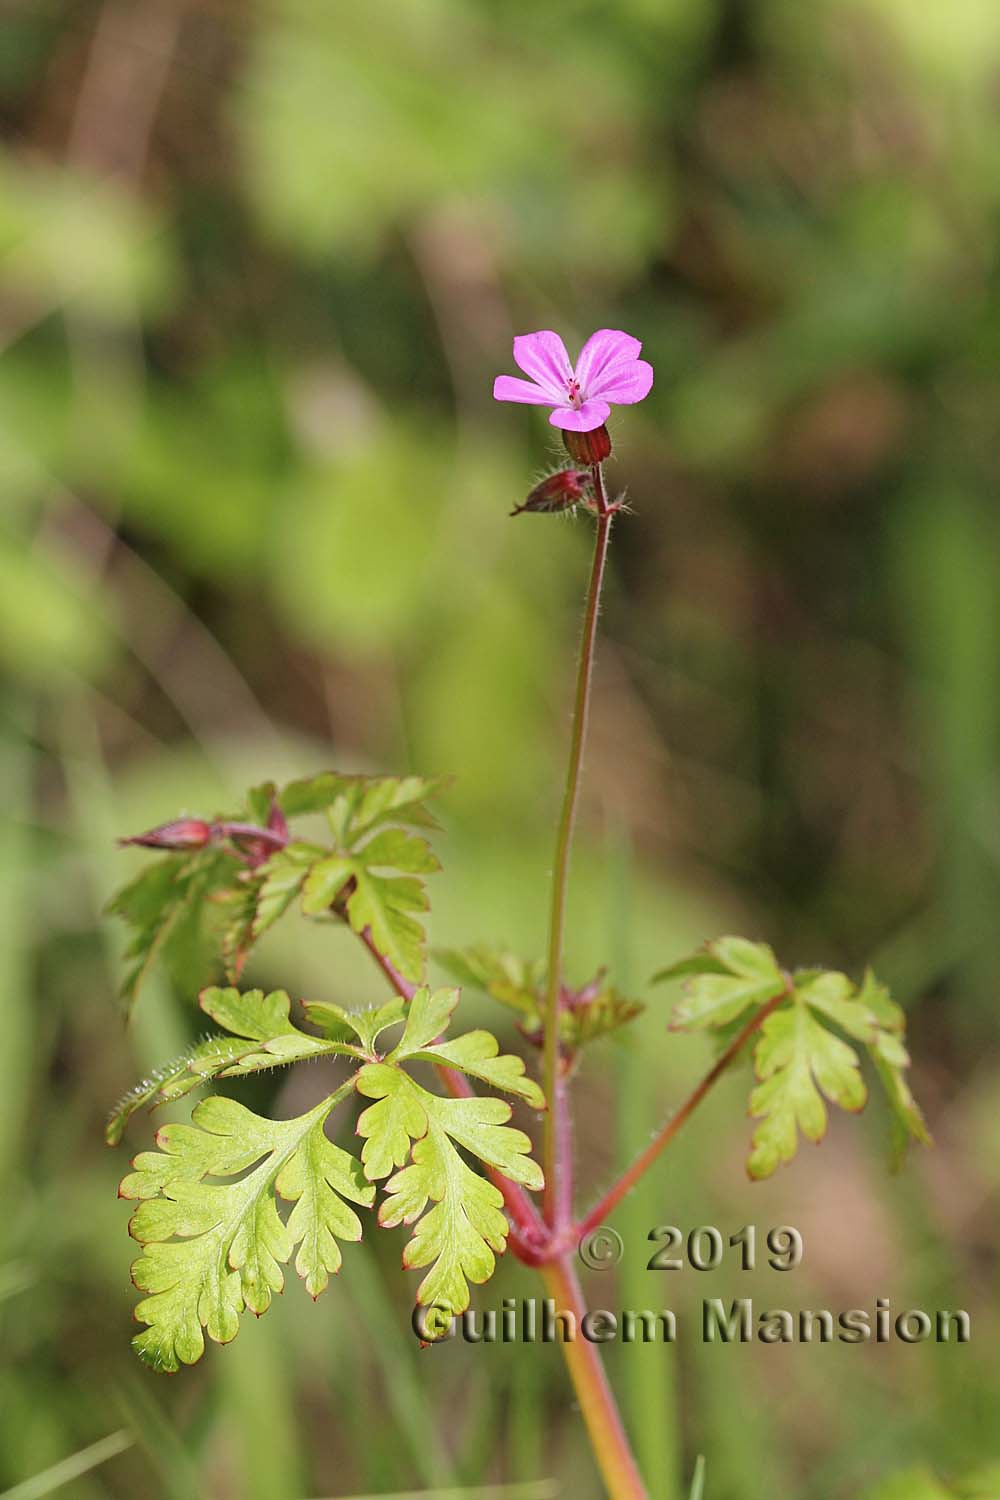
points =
(628, 1180)
(563, 1196)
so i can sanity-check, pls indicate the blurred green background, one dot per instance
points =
(260, 263)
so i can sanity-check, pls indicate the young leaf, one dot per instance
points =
(211, 1249)
(833, 996)
(593, 1011)
(465, 1228)
(514, 982)
(796, 1058)
(729, 977)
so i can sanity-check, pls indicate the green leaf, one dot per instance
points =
(213, 1248)
(366, 1025)
(281, 879)
(324, 883)
(798, 1061)
(174, 1080)
(518, 984)
(465, 1228)
(382, 903)
(729, 977)
(262, 1036)
(835, 997)
(237, 938)
(476, 1053)
(363, 801)
(385, 904)
(891, 1059)
(260, 800)
(168, 905)
(514, 982)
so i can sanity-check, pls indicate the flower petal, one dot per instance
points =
(608, 346)
(543, 356)
(509, 388)
(624, 384)
(581, 419)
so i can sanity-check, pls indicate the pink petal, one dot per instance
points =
(623, 384)
(608, 346)
(583, 419)
(543, 356)
(509, 388)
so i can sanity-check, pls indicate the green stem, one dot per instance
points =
(608, 1439)
(556, 1151)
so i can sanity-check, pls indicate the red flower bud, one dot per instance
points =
(588, 447)
(183, 833)
(558, 491)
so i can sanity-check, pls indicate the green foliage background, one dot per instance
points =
(260, 263)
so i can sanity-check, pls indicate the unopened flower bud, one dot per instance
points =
(588, 447)
(558, 492)
(184, 833)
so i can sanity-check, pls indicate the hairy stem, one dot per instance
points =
(555, 1153)
(631, 1176)
(597, 1404)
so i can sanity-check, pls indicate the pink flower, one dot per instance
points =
(608, 372)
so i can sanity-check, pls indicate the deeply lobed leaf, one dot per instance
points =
(728, 977)
(476, 1053)
(801, 1058)
(464, 1229)
(261, 1036)
(798, 1061)
(232, 890)
(211, 1248)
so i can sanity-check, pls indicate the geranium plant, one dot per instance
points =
(225, 1202)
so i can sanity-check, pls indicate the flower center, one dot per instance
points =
(575, 396)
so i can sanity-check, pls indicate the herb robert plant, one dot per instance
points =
(225, 1202)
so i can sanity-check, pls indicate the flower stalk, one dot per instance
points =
(556, 1150)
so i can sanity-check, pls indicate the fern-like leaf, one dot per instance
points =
(212, 1248)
